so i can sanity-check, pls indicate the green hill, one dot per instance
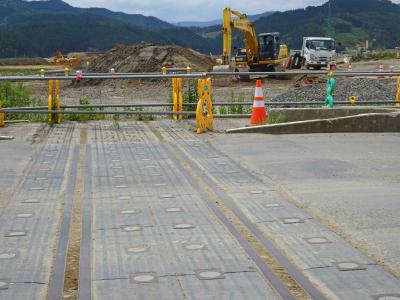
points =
(39, 28)
(350, 22)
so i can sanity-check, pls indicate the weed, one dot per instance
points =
(191, 96)
(280, 118)
(17, 95)
(85, 117)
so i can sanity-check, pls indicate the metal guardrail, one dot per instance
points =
(116, 76)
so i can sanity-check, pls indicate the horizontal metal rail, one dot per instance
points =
(139, 105)
(74, 112)
(194, 75)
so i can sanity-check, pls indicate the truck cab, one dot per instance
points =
(318, 52)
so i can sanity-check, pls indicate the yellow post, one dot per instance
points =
(42, 72)
(1, 116)
(398, 92)
(188, 69)
(177, 97)
(204, 113)
(164, 70)
(352, 100)
(50, 100)
(66, 71)
(58, 105)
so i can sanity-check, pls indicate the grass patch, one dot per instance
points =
(278, 119)
(237, 109)
(17, 95)
(372, 55)
(85, 117)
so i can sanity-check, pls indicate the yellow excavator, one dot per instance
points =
(264, 52)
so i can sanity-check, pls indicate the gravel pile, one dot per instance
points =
(364, 89)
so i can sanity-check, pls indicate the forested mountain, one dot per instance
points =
(39, 28)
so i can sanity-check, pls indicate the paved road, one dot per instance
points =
(153, 211)
(350, 181)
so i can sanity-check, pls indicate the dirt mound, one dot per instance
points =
(149, 58)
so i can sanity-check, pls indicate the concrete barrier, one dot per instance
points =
(303, 114)
(372, 122)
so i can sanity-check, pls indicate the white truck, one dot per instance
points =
(318, 52)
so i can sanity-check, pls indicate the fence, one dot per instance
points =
(204, 106)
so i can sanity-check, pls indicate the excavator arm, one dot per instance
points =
(242, 24)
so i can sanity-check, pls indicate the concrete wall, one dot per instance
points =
(374, 122)
(302, 114)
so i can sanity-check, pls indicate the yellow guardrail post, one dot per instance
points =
(398, 92)
(42, 72)
(50, 100)
(58, 105)
(1, 115)
(204, 113)
(164, 70)
(177, 97)
(352, 100)
(66, 71)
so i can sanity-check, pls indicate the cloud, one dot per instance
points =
(193, 10)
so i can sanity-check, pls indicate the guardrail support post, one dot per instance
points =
(1, 116)
(204, 113)
(58, 105)
(177, 97)
(398, 92)
(50, 101)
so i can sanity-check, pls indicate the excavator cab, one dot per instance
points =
(269, 45)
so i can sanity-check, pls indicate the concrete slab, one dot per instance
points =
(287, 228)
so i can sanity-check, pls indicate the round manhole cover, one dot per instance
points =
(132, 228)
(183, 226)
(272, 205)
(292, 220)
(8, 255)
(317, 240)
(144, 278)
(24, 215)
(129, 212)
(209, 274)
(174, 209)
(194, 246)
(16, 233)
(348, 265)
(138, 249)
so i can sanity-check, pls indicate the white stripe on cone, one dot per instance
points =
(259, 92)
(258, 104)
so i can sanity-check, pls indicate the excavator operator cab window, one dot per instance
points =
(269, 46)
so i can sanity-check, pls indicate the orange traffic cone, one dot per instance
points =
(259, 113)
(334, 67)
(350, 68)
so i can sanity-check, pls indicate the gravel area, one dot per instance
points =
(364, 89)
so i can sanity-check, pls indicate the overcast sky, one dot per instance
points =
(194, 10)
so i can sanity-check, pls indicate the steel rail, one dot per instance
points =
(194, 75)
